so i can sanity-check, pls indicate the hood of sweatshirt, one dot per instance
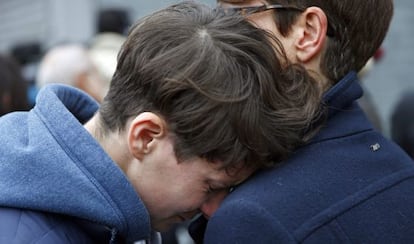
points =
(49, 162)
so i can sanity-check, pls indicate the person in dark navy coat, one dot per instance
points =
(166, 137)
(348, 184)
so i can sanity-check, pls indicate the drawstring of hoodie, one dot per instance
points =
(114, 233)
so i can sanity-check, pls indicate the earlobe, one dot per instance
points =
(144, 129)
(313, 25)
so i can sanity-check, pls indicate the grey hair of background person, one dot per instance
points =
(73, 65)
(62, 64)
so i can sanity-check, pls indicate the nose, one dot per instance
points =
(212, 204)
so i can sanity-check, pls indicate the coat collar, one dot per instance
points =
(344, 116)
(343, 93)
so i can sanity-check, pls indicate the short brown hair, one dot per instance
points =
(359, 27)
(218, 83)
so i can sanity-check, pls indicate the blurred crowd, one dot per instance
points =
(28, 67)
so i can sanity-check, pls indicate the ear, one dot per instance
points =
(143, 130)
(312, 28)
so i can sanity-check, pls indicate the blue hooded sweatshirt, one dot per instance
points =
(50, 164)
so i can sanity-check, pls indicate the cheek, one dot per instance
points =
(264, 21)
(191, 197)
(176, 197)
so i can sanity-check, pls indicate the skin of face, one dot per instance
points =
(262, 20)
(172, 190)
(175, 191)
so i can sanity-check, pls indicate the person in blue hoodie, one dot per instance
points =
(348, 184)
(189, 113)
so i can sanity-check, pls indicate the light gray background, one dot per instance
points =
(395, 73)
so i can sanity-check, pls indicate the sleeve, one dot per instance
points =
(245, 222)
(24, 226)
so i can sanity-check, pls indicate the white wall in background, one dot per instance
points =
(45, 21)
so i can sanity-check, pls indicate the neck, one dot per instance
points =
(113, 143)
(313, 66)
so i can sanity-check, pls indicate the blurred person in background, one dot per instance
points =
(71, 64)
(28, 55)
(402, 122)
(366, 102)
(13, 86)
(111, 27)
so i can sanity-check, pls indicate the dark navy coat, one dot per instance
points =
(349, 185)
